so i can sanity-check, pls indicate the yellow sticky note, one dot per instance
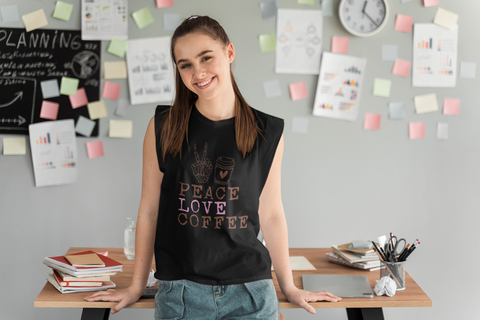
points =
(426, 103)
(14, 146)
(268, 42)
(97, 110)
(445, 18)
(35, 20)
(120, 129)
(115, 70)
(381, 87)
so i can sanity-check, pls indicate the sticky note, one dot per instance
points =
(339, 44)
(68, 86)
(306, 2)
(120, 129)
(300, 124)
(142, 18)
(426, 103)
(111, 90)
(164, 3)
(442, 131)
(272, 88)
(451, 107)
(405, 1)
(84, 126)
(372, 121)
(403, 23)
(97, 110)
(268, 42)
(396, 110)
(416, 130)
(50, 88)
(117, 47)
(431, 3)
(468, 70)
(49, 110)
(268, 9)
(401, 68)
(94, 149)
(14, 146)
(35, 20)
(445, 18)
(327, 8)
(122, 108)
(298, 90)
(381, 87)
(9, 13)
(389, 52)
(79, 99)
(115, 70)
(63, 10)
(171, 21)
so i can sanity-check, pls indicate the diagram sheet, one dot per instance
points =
(339, 86)
(299, 41)
(104, 19)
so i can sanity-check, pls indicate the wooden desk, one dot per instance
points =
(357, 308)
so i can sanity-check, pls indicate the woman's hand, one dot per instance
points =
(124, 297)
(302, 297)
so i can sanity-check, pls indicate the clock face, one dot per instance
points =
(363, 17)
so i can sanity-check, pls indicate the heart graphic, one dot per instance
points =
(223, 174)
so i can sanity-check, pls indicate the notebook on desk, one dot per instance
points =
(345, 286)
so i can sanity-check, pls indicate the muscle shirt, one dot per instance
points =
(208, 220)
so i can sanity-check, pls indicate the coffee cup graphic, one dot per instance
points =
(224, 170)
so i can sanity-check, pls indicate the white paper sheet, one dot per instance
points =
(150, 70)
(54, 152)
(434, 56)
(104, 19)
(299, 41)
(339, 86)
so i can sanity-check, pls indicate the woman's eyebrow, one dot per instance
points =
(198, 56)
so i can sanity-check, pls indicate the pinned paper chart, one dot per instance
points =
(299, 41)
(434, 56)
(54, 152)
(339, 86)
(150, 70)
(104, 19)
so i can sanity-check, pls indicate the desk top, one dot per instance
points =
(412, 296)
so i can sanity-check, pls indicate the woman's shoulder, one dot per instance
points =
(161, 108)
(266, 121)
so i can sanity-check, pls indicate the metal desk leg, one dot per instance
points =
(365, 314)
(95, 314)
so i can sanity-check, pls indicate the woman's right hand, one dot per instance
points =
(124, 297)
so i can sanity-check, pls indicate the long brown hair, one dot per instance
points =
(175, 125)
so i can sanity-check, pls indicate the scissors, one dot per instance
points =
(393, 246)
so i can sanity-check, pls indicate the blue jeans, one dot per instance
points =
(185, 299)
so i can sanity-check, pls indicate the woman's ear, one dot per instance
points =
(230, 52)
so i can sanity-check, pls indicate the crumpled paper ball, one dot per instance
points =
(387, 286)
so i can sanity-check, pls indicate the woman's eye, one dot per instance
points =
(183, 66)
(206, 58)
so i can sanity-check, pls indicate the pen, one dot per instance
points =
(404, 253)
(378, 251)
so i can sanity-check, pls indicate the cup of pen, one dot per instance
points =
(396, 271)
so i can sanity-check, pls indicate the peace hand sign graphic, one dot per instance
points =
(203, 167)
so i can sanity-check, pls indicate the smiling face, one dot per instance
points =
(204, 65)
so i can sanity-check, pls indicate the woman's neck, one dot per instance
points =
(219, 108)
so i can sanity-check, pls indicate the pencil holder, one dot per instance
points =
(396, 271)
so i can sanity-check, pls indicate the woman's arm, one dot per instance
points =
(274, 230)
(146, 226)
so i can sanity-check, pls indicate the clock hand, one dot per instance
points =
(364, 7)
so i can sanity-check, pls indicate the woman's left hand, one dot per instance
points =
(302, 297)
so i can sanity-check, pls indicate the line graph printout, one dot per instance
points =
(434, 56)
(104, 19)
(299, 41)
(54, 152)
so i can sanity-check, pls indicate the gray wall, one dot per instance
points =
(340, 182)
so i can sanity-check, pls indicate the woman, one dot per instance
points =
(211, 178)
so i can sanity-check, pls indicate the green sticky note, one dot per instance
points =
(307, 2)
(142, 18)
(117, 47)
(63, 10)
(381, 87)
(69, 86)
(268, 42)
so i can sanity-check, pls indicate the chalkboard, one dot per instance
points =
(28, 58)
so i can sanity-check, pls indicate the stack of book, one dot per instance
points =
(83, 271)
(365, 259)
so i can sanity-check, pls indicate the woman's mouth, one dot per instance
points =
(205, 84)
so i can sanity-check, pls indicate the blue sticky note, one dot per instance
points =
(171, 21)
(9, 13)
(122, 106)
(468, 70)
(389, 52)
(396, 110)
(50, 88)
(268, 9)
(300, 124)
(327, 8)
(84, 126)
(272, 88)
(405, 1)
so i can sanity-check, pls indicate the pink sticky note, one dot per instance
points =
(49, 110)
(451, 107)
(401, 68)
(111, 90)
(94, 149)
(164, 3)
(431, 3)
(403, 23)
(416, 130)
(372, 121)
(298, 90)
(339, 44)
(78, 100)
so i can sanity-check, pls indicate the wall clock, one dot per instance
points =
(363, 18)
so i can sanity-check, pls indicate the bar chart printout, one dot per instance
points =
(54, 152)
